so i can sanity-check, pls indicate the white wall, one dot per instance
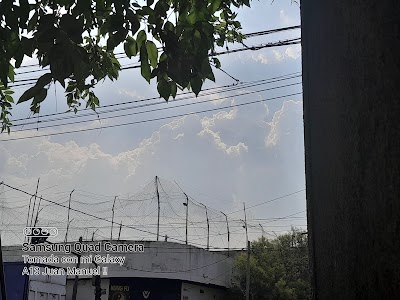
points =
(160, 260)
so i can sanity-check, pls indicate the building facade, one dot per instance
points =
(146, 270)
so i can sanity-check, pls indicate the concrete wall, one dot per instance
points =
(351, 76)
(159, 260)
(198, 292)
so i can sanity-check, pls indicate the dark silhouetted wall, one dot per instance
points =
(351, 81)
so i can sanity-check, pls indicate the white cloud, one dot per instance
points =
(293, 52)
(275, 56)
(262, 58)
(281, 125)
(209, 123)
(130, 93)
(278, 56)
(233, 153)
(286, 20)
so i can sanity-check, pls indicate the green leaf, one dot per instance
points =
(217, 63)
(6, 104)
(40, 96)
(162, 7)
(9, 98)
(214, 6)
(33, 21)
(173, 88)
(211, 76)
(196, 84)
(69, 24)
(152, 53)
(145, 70)
(206, 70)
(169, 26)
(164, 89)
(29, 94)
(44, 80)
(163, 57)
(134, 20)
(115, 39)
(11, 72)
(145, 67)
(130, 47)
(141, 37)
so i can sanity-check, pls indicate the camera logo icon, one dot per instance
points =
(40, 231)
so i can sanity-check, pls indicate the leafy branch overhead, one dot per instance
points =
(77, 40)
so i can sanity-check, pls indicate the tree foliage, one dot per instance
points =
(77, 39)
(278, 268)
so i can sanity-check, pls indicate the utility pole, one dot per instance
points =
(227, 228)
(96, 281)
(34, 202)
(94, 232)
(262, 231)
(187, 216)
(29, 211)
(187, 210)
(75, 288)
(112, 219)
(2, 280)
(158, 214)
(248, 272)
(248, 256)
(208, 228)
(119, 233)
(69, 208)
(37, 212)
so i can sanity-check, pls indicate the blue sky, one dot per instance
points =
(223, 158)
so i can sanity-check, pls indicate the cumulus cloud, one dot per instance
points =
(281, 124)
(293, 52)
(209, 123)
(275, 56)
(243, 154)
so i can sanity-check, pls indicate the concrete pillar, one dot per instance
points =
(351, 82)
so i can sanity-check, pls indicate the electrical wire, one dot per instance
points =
(252, 48)
(151, 120)
(155, 110)
(205, 92)
(125, 226)
(246, 35)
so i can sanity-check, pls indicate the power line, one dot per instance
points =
(270, 31)
(81, 212)
(216, 89)
(262, 46)
(153, 110)
(246, 35)
(150, 120)
(276, 219)
(126, 226)
(252, 48)
(268, 201)
(94, 216)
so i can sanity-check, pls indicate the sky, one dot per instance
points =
(252, 154)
